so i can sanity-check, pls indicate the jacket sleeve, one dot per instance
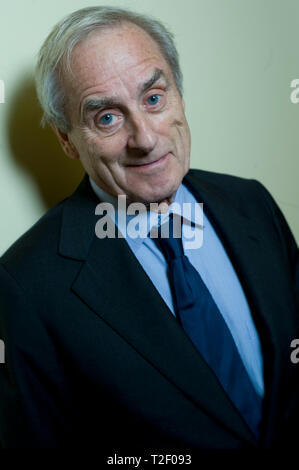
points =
(33, 406)
(289, 427)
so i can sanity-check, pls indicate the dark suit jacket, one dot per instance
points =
(94, 358)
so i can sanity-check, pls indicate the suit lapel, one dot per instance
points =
(114, 285)
(252, 256)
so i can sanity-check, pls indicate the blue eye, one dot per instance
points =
(107, 119)
(153, 99)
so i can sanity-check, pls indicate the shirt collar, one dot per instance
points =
(122, 219)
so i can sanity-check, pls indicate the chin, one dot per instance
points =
(155, 184)
(158, 194)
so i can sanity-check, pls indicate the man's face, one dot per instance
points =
(128, 123)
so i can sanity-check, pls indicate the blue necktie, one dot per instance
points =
(201, 319)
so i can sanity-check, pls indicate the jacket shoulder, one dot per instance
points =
(41, 238)
(221, 180)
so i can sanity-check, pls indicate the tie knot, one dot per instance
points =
(169, 239)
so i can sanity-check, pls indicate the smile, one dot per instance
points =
(150, 165)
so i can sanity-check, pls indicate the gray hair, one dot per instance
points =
(55, 54)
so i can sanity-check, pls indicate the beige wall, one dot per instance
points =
(239, 58)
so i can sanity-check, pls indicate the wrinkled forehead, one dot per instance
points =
(106, 53)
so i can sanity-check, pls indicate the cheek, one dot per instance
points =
(164, 125)
(173, 120)
(181, 125)
(106, 150)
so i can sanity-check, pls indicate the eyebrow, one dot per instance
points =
(100, 103)
(109, 102)
(154, 78)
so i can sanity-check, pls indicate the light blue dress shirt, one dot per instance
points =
(212, 263)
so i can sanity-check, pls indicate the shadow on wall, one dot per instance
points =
(37, 150)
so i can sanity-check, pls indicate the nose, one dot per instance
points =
(142, 136)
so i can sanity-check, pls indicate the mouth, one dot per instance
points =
(149, 165)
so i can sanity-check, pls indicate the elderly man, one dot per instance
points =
(143, 345)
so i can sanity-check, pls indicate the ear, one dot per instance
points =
(66, 144)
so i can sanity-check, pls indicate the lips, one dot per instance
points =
(150, 164)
